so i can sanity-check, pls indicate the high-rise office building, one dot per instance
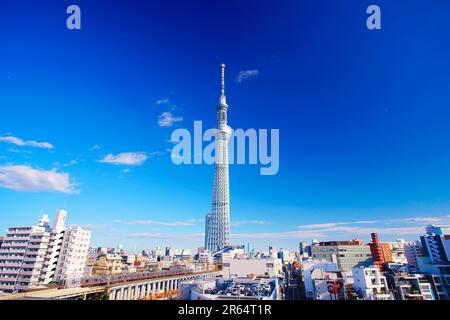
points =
(217, 223)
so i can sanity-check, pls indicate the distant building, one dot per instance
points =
(346, 254)
(273, 252)
(371, 284)
(303, 249)
(412, 252)
(397, 249)
(284, 255)
(108, 264)
(376, 250)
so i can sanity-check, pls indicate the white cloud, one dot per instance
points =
(167, 119)
(159, 223)
(162, 101)
(31, 143)
(14, 150)
(429, 220)
(70, 163)
(321, 225)
(165, 236)
(245, 74)
(126, 158)
(25, 178)
(94, 147)
(166, 102)
(332, 233)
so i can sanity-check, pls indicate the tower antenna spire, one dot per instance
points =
(222, 91)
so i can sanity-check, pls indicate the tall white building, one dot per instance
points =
(217, 223)
(29, 256)
(73, 256)
(22, 256)
(54, 247)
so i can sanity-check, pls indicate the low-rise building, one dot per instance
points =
(108, 264)
(307, 268)
(243, 267)
(328, 285)
(371, 284)
(409, 286)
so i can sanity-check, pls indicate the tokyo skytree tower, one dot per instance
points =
(217, 223)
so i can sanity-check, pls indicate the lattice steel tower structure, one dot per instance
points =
(217, 223)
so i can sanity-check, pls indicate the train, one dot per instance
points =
(122, 277)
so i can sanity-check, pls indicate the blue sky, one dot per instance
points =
(363, 117)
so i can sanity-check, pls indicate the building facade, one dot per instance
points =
(73, 256)
(346, 254)
(371, 284)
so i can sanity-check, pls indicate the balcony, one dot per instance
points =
(38, 246)
(11, 264)
(7, 279)
(30, 273)
(15, 244)
(34, 259)
(6, 287)
(12, 251)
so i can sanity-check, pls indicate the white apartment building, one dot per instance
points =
(22, 256)
(29, 255)
(412, 252)
(371, 284)
(72, 259)
(54, 247)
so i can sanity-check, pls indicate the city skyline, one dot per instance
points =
(86, 118)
